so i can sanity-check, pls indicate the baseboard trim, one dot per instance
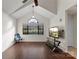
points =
(31, 41)
(12, 43)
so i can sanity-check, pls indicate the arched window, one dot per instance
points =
(33, 20)
(33, 27)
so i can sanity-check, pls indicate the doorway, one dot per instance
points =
(71, 27)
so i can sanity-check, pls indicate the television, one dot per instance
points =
(54, 32)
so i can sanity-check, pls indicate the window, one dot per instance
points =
(33, 27)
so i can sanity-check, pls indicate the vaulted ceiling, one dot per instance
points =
(72, 10)
(47, 8)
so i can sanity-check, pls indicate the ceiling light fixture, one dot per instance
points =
(33, 19)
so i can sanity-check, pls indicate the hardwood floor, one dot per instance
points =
(72, 51)
(32, 51)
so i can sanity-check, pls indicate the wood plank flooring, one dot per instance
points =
(72, 51)
(32, 51)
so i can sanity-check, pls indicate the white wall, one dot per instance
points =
(63, 5)
(33, 38)
(75, 31)
(8, 31)
(70, 29)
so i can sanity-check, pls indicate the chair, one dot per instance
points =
(17, 37)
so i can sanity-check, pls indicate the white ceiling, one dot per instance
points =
(46, 8)
(72, 10)
(22, 12)
(11, 5)
(50, 5)
(27, 10)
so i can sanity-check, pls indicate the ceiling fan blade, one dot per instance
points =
(24, 1)
(36, 2)
(23, 6)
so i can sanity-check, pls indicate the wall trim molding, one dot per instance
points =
(32, 41)
(10, 45)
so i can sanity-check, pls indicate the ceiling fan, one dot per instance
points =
(35, 1)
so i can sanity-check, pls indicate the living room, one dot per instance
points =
(34, 23)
